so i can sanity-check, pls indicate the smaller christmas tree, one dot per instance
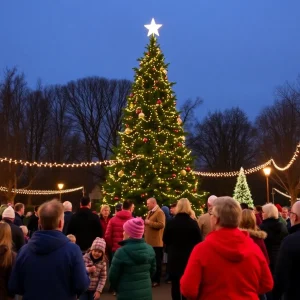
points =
(242, 192)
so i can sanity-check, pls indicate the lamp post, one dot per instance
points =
(267, 172)
(60, 187)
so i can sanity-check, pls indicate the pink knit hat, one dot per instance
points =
(134, 228)
(99, 244)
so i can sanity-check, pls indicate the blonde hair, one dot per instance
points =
(72, 238)
(248, 220)
(104, 206)
(184, 206)
(270, 211)
(6, 241)
(228, 211)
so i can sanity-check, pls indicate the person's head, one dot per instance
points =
(36, 208)
(98, 248)
(295, 213)
(173, 209)
(248, 220)
(285, 212)
(67, 206)
(118, 207)
(258, 209)
(105, 210)
(5, 245)
(24, 230)
(132, 208)
(85, 202)
(72, 238)
(184, 206)
(151, 203)
(51, 215)
(127, 204)
(20, 209)
(210, 200)
(9, 214)
(269, 211)
(133, 228)
(244, 206)
(226, 212)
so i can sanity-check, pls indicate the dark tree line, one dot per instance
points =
(80, 121)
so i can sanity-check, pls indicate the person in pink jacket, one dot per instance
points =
(114, 231)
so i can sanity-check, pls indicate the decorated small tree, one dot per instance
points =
(152, 160)
(242, 192)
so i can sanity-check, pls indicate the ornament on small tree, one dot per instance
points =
(127, 130)
(142, 195)
(133, 174)
(183, 172)
(179, 144)
(145, 140)
(138, 110)
(188, 169)
(116, 198)
(121, 173)
(158, 102)
(173, 175)
(131, 95)
(141, 115)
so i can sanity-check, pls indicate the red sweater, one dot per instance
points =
(227, 265)
(114, 231)
(104, 224)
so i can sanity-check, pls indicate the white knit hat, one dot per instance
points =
(8, 213)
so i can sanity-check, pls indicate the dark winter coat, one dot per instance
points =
(287, 276)
(33, 224)
(68, 215)
(86, 227)
(258, 236)
(17, 235)
(181, 235)
(5, 275)
(276, 232)
(49, 267)
(131, 270)
(18, 220)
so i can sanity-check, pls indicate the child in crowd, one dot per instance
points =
(25, 232)
(72, 238)
(7, 258)
(95, 264)
(133, 264)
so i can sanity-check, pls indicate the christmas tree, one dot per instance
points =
(152, 160)
(242, 192)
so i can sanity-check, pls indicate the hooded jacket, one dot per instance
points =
(131, 270)
(114, 231)
(49, 267)
(258, 236)
(227, 265)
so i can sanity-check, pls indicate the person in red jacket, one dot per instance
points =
(104, 217)
(114, 230)
(228, 264)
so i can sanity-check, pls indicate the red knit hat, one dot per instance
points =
(99, 244)
(279, 207)
(134, 228)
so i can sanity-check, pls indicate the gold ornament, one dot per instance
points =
(141, 115)
(120, 173)
(131, 106)
(183, 172)
(127, 130)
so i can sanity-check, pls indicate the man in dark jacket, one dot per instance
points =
(68, 215)
(8, 216)
(49, 266)
(287, 276)
(85, 225)
(33, 223)
(19, 213)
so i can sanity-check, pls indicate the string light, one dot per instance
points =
(68, 165)
(283, 194)
(296, 153)
(40, 192)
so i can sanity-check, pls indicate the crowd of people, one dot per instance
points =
(231, 252)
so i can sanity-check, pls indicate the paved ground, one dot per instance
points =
(162, 292)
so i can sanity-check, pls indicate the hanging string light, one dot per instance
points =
(296, 153)
(283, 194)
(40, 192)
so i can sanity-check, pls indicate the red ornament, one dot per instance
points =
(138, 111)
(188, 169)
(116, 198)
(131, 95)
(142, 195)
(145, 140)
(173, 175)
(194, 190)
(158, 102)
(176, 130)
(126, 125)
(133, 174)
(179, 144)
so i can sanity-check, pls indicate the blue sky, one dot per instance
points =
(229, 52)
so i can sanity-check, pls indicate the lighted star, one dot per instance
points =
(153, 27)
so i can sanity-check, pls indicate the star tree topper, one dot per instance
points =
(153, 27)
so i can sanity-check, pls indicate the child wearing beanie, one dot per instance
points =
(95, 264)
(133, 264)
